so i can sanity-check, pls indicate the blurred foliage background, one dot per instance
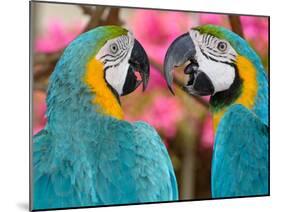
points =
(183, 121)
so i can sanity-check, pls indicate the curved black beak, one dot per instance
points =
(138, 63)
(180, 51)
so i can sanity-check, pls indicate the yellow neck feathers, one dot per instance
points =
(94, 78)
(247, 73)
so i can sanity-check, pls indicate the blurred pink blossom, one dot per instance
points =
(39, 109)
(207, 136)
(57, 36)
(156, 79)
(156, 30)
(164, 113)
(256, 31)
(215, 19)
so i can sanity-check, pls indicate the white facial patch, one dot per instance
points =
(115, 55)
(216, 64)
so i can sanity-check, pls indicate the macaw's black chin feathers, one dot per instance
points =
(138, 63)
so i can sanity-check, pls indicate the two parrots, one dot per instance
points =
(88, 155)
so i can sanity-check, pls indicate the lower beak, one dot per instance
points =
(138, 63)
(180, 52)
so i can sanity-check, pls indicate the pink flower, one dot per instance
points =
(207, 136)
(39, 109)
(164, 113)
(215, 19)
(156, 79)
(256, 31)
(156, 30)
(57, 36)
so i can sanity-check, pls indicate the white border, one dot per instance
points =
(14, 117)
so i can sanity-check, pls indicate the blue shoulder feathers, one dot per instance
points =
(119, 164)
(240, 160)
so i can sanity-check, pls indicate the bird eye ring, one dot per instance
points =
(222, 46)
(113, 48)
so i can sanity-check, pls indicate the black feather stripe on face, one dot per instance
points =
(209, 49)
(117, 64)
(208, 57)
(116, 58)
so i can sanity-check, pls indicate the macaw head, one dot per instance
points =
(98, 67)
(121, 56)
(219, 63)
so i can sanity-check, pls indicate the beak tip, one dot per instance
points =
(171, 90)
(145, 78)
(143, 87)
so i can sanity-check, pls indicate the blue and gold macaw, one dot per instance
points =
(223, 65)
(87, 155)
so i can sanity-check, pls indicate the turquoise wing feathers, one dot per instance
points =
(137, 168)
(240, 160)
(87, 155)
(57, 177)
(130, 165)
(166, 181)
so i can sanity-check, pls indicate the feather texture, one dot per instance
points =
(87, 158)
(121, 163)
(240, 158)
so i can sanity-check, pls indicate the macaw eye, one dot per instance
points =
(222, 46)
(113, 48)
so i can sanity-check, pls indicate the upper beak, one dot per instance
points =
(180, 51)
(138, 63)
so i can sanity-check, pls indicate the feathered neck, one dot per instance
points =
(71, 101)
(250, 89)
(105, 97)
